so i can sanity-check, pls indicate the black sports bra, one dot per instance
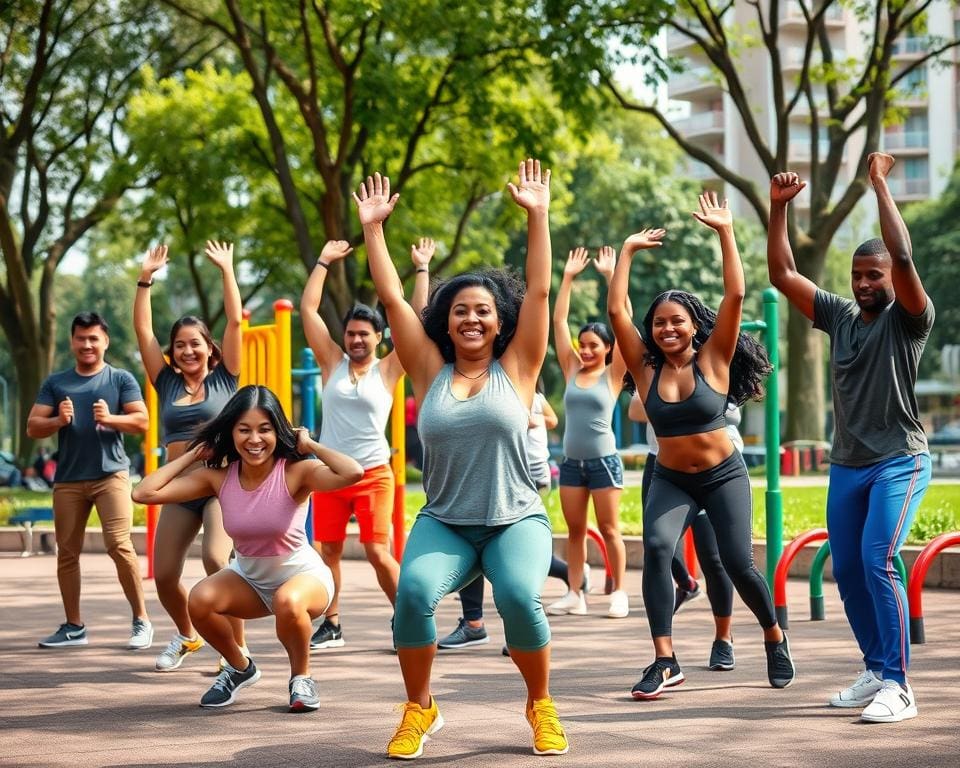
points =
(701, 412)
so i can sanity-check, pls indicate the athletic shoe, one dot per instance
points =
(861, 693)
(303, 694)
(721, 656)
(891, 704)
(780, 669)
(68, 634)
(573, 603)
(548, 735)
(176, 651)
(222, 664)
(416, 727)
(328, 635)
(665, 672)
(464, 636)
(683, 596)
(586, 579)
(619, 605)
(225, 687)
(141, 635)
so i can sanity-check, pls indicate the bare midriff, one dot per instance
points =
(694, 453)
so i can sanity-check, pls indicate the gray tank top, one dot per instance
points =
(474, 453)
(587, 433)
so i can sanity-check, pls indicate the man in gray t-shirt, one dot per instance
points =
(880, 466)
(89, 407)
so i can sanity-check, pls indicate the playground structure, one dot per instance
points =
(917, 576)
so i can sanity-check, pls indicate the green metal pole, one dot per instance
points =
(817, 611)
(774, 500)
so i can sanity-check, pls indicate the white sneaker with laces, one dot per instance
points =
(141, 635)
(619, 605)
(891, 704)
(573, 603)
(176, 651)
(859, 694)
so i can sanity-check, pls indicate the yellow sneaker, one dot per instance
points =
(548, 735)
(415, 728)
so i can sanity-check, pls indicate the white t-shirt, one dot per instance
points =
(537, 448)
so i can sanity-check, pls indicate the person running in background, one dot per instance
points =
(688, 363)
(90, 407)
(473, 360)
(357, 400)
(719, 586)
(591, 468)
(255, 467)
(192, 388)
(879, 462)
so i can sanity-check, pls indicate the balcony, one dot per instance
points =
(801, 150)
(909, 189)
(791, 59)
(910, 47)
(900, 140)
(677, 41)
(791, 15)
(701, 123)
(696, 82)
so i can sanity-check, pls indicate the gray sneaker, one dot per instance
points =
(464, 636)
(304, 696)
(721, 656)
(141, 635)
(67, 635)
(225, 687)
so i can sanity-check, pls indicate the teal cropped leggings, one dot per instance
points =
(440, 558)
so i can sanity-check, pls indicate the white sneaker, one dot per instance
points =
(141, 635)
(586, 579)
(176, 651)
(859, 694)
(619, 605)
(891, 704)
(573, 603)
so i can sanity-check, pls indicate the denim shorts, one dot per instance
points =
(595, 474)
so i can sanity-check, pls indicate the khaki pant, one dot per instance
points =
(72, 504)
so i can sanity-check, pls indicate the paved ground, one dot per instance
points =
(103, 706)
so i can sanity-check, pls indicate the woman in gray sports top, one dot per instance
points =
(473, 362)
(591, 466)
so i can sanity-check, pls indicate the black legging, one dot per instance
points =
(471, 596)
(674, 500)
(719, 586)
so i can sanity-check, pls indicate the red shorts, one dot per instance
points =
(370, 500)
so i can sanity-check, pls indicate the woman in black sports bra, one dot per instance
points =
(686, 363)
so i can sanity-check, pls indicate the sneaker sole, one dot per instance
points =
(722, 667)
(671, 683)
(852, 704)
(565, 612)
(907, 714)
(301, 706)
(612, 615)
(327, 644)
(436, 726)
(233, 693)
(542, 752)
(467, 644)
(141, 646)
(64, 644)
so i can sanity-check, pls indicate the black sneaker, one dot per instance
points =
(328, 635)
(721, 656)
(304, 696)
(65, 636)
(780, 669)
(665, 672)
(683, 596)
(225, 687)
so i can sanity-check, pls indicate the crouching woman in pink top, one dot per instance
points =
(254, 465)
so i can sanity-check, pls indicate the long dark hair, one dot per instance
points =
(217, 434)
(750, 364)
(507, 289)
(601, 331)
(192, 321)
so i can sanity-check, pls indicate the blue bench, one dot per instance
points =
(25, 518)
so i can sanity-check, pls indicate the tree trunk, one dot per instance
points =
(31, 364)
(805, 402)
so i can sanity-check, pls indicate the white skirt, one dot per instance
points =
(267, 574)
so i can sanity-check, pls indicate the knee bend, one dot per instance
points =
(287, 608)
(200, 602)
(380, 557)
(610, 531)
(415, 597)
(516, 604)
(658, 549)
(121, 549)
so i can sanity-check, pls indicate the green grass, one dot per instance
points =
(803, 508)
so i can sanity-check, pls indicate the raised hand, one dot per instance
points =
(713, 213)
(879, 165)
(533, 192)
(645, 238)
(422, 252)
(606, 262)
(304, 443)
(220, 254)
(156, 259)
(374, 203)
(577, 261)
(784, 187)
(65, 411)
(334, 250)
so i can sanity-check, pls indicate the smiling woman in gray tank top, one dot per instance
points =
(473, 362)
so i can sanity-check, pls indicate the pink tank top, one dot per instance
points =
(266, 521)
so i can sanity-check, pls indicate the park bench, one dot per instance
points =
(25, 518)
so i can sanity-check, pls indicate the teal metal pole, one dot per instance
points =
(773, 497)
(817, 610)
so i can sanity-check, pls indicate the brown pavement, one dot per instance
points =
(102, 705)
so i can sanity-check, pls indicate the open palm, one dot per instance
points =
(374, 203)
(155, 259)
(713, 213)
(220, 254)
(533, 192)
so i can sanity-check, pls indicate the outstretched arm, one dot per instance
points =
(421, 253)
(719, 348)
(150, 351)
(906, 281)
(799, 290)
(606, 263)
(418, 355)
(628, 337)
(577, 261)
(221, 255)
(326, 350)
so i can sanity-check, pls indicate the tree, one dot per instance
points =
(66, 71)
(847, 101)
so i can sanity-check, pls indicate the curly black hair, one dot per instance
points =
(505, 285)
(750, 364)
(217, 434)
